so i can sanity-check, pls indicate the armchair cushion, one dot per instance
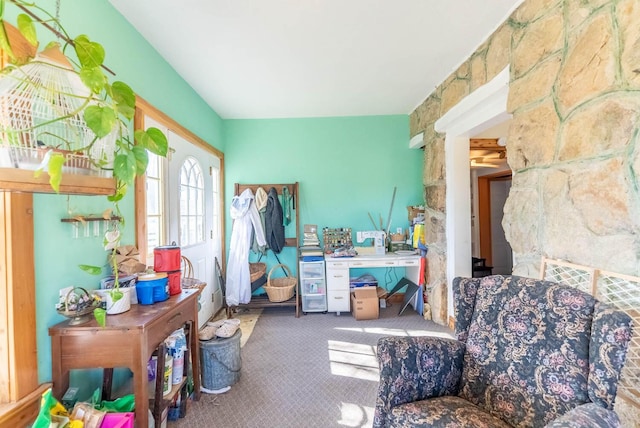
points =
(527, 355)
(443, 412)
(415, 368)
(586, 416)
(610, 337)
(464, 304)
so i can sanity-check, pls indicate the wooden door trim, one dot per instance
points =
(484, 212)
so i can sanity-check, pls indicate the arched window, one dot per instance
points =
(191, 203)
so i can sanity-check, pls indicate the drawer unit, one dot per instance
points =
(409, 262)
(373, 263)
(313, 288)
(317, 303)
(337, 279)
(338, 301)
(338, 286)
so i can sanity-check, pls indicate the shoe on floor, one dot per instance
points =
(228, 328)
(207, 333)
(216, 324)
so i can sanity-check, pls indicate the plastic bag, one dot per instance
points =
(119, 405)
(52, 412)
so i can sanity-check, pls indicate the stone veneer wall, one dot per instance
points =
(572, 144)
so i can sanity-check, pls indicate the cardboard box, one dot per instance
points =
(364, 303)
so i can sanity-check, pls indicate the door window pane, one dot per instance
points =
(191, 203)
(154, 205)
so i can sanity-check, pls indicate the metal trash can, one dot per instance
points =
(220, 361)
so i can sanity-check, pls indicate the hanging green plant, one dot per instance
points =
(106, 108)
(85, 115)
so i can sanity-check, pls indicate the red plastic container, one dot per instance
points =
(175, 284)
(166, 258)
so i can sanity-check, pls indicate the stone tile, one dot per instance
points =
(589, 132)
(590, 65)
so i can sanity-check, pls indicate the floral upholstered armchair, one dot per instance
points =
(528, 353)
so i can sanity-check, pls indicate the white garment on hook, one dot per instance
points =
(245, 219)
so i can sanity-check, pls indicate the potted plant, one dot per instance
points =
(107, 108)
(104, 109)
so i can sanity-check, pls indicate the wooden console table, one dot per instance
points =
(127, 340)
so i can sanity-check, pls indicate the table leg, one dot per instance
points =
(141, 396)
(59, 374)
(195, 356)
(107, 382)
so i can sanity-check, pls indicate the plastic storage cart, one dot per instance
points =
(313, 287)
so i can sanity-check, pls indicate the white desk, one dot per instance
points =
(337, 274)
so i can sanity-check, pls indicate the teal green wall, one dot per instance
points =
(135, 62)
(346, 167)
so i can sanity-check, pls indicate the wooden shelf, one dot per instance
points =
(21, 180)
(291, 241)
(82, 219)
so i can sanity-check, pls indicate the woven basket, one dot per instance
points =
(186, 279)
(280, 289)
(257, 270)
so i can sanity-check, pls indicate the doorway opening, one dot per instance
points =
(481, 110)
(490, 244)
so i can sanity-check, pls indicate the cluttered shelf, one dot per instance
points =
(262, 301)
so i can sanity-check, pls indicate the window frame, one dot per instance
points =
(143, 108)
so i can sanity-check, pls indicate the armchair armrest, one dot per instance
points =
(586, 416)
(416, 368)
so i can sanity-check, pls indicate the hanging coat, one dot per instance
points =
(260, 200)
(245, 221)
(274, 228)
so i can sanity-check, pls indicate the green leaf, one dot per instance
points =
(125, 99)
(4, 41)
(90, 54)
(124, 167)
(93, 270)
(142, 159)
(116, 295)
(54, 168)
(101, 120)
(153, 140)
(27, 28)
(101, 316)
(120, 192)
(93, 78)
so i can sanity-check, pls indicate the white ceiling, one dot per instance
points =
(314, 58)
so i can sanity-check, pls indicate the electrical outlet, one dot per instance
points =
(399, 230)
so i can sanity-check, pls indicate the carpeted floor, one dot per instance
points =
(318, 370)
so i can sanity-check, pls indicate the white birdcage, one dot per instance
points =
(41, 106)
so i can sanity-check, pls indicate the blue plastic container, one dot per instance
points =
(156, 284)
(144, 291)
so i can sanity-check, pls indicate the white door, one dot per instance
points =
(193, 186)
(183, 206)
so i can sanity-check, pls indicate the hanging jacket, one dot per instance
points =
(245, 220)
(260, 200)
(274, 229)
